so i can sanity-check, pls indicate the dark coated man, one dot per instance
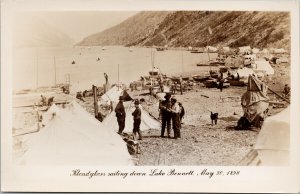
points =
(121, 115)
(175, 111)
(165, 108)
(137, 113)
(286, 90)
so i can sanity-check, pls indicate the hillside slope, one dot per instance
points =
(131, 31)
(32, 31)
(190, 28)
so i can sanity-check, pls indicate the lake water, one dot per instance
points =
(35, 66)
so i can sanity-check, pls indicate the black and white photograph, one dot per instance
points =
(140, 88)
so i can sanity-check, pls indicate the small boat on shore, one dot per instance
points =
(176, 78)
(154, 72)
(196, 51)
(216, 63)
(211, 83)
(200, 78)
(236, 82)
(202, 64)
(160, 49)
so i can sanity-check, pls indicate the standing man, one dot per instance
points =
(180, 83)
(175, 109)
(106, 78)
(173, 87)
(43, 100)
(221, 82)
(137, 120)
(50, 101)
(286, 90)
(165, 107)
(121, 115)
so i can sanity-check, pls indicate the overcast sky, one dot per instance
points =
(80, 24)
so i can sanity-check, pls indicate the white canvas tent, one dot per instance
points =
(273, 143)
(73, 137)
(244, 73)
(147, 121)
(278, 50)
(265, 51)
(226, 48)
(263, 66)
(112, 94)
(245, 49)
(211, 49)
(255, 50)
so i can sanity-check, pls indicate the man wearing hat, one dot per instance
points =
(165, 107)
(175, 111)
(121, 115)
(137, 120)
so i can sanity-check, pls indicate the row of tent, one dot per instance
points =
(242, 50)
(72, 136)
(248, 49)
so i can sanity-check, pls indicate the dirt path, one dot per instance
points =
(201, 143)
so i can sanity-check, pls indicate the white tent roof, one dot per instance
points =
(265, 51)
(147, 121)
(211, 48)
(273, 140)
(112, 95)
(226, 48)
(255, 50)
(73, 137)
(245, 72)
(278, 50)
(244, 48)
(263, 66)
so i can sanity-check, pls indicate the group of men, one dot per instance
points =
(171, 111)
(121, 116)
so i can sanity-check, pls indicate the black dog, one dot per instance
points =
(214, 118)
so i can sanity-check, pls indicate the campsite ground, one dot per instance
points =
(201, 142)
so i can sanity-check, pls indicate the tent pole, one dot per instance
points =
(279, 95)
(94, 88)
(118, 78)
(37, 71)
(54, 72)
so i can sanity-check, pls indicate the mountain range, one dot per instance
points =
(190, 28)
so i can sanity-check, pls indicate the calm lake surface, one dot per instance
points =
(34, 67)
